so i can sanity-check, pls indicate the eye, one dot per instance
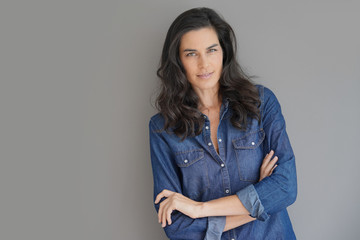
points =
(191, 54)
(212, 50)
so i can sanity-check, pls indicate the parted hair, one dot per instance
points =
(177, 101)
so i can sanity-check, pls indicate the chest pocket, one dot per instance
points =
(195, 178)
(249, 155)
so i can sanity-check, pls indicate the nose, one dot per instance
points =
(203, 61)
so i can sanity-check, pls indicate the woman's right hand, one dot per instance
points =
(268, 165)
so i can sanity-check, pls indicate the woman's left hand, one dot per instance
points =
(175, 201)
(268, 165)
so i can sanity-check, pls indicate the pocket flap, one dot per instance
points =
(250, 141)
(187, 158)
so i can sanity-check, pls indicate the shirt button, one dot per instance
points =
(222, 165)
(220, 140)
(252, 143)
(207, 127)
(209, 144)
(185, 161)
(227, 191)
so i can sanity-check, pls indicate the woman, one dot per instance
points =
(222, 162)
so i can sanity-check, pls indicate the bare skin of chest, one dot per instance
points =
(214, 123)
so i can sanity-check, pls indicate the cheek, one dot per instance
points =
(218, 62)
(188, 66)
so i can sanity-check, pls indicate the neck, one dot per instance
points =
(209, 100)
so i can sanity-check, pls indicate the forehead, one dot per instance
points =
(198, 39)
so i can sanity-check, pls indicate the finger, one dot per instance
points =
(169, 216)
(159, 214)
(161, 209)
(163, 218)
(158, 198)
(271, 154)
(274, 160)
(164, 213)
(267, 158)
(163, 193)
(271, 164)
(273, 169)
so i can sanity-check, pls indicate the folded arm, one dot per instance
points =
(230, 206)
(279, 190)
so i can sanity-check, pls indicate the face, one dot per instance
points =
(201, 55)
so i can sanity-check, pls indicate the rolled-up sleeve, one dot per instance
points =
(278, 191)
(215, 228)
(250, 199)
(166, 175)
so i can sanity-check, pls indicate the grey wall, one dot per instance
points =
(76, 82)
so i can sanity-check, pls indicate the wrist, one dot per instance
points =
(201, 210)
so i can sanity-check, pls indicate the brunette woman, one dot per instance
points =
(222, 162)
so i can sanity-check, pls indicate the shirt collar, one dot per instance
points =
(224, 107)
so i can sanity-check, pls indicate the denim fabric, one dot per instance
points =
(193, 168)
(215, 228)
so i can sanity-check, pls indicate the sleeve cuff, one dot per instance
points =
(215, 228)
(251, 201)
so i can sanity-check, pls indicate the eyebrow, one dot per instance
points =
(194, 50)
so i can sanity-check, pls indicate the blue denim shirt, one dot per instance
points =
(194, 168)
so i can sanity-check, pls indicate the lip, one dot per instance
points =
(205, 75)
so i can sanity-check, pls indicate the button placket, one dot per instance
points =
(207, 138)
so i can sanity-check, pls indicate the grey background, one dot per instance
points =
(76, 82)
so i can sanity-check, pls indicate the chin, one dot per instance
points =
(207, 86)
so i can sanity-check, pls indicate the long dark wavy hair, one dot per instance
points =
(177, 101)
